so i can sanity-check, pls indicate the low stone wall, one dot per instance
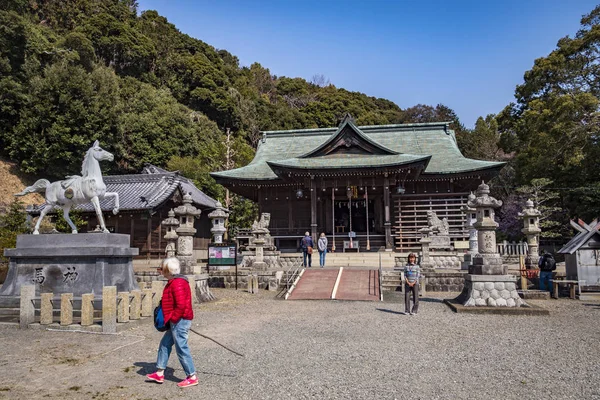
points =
(226, 279)
(438, 260)
(444, 281)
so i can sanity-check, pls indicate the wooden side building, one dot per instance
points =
(375, 181)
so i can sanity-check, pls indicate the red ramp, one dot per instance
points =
(315, 284)
(318, 284)
(359, 285)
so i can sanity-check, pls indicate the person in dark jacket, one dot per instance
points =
(547, 264)
(177, 309)
(307, 245)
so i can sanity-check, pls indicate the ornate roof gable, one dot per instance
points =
(348, 139)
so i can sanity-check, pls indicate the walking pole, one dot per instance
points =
(222, 345)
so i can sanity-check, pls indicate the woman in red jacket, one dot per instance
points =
(177, 309)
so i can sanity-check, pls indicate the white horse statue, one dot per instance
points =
(77, 189)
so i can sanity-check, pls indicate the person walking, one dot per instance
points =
(412, 273)
(177, 310)
(322, 245)
(547, 264)
(307, 245)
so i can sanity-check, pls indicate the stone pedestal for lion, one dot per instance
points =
(66, 263)
(261, 252)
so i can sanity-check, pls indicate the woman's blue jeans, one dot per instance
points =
(322, 258)
(177, 335)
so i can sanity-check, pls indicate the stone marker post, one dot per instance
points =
(157, 289)
(87, 309)
(109, 309)
(136, 304)
(66, 309)
(46, 309)
(147, 308)
(123, 307)
(27, 310)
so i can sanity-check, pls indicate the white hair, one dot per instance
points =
(172, 265)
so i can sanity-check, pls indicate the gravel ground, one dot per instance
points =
(323, 350)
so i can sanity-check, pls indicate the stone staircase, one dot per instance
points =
(391, 281)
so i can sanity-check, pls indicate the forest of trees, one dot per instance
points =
(75, 71)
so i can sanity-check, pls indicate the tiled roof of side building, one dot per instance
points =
(427, 139)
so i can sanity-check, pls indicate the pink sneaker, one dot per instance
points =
(156, 378)
(188, 382)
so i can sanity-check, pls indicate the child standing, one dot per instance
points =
(412, 273)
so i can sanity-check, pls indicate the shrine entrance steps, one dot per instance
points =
(337, 284)
(353, 259)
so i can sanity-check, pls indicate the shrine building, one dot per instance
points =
(375, 183)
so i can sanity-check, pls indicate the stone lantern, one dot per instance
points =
(218, 218)
(171, 223)
(487, 261)
(471, 219)
(185, 242)
(487, 283)
(531, 229)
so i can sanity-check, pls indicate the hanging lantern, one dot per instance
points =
(299, 193)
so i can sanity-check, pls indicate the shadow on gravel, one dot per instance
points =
(594, 305)
(390, 311)
(200, 372)
(148, 368)
(431, 300)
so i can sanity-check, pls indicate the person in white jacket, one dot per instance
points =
(322, 246)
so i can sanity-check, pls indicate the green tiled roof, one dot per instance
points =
(349, 161)
(410, 140)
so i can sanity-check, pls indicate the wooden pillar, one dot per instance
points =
(132, 229)
(260, 202)
(313, 208)
(160, 218)
(290, 196)
(333, 218)
(149, 237)
(387, 212)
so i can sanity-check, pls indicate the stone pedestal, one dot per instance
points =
(66, 263)
(259, 262)
(490, 291)
(490, 264)
(425, 256)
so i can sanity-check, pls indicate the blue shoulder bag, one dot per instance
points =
(159, 319)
